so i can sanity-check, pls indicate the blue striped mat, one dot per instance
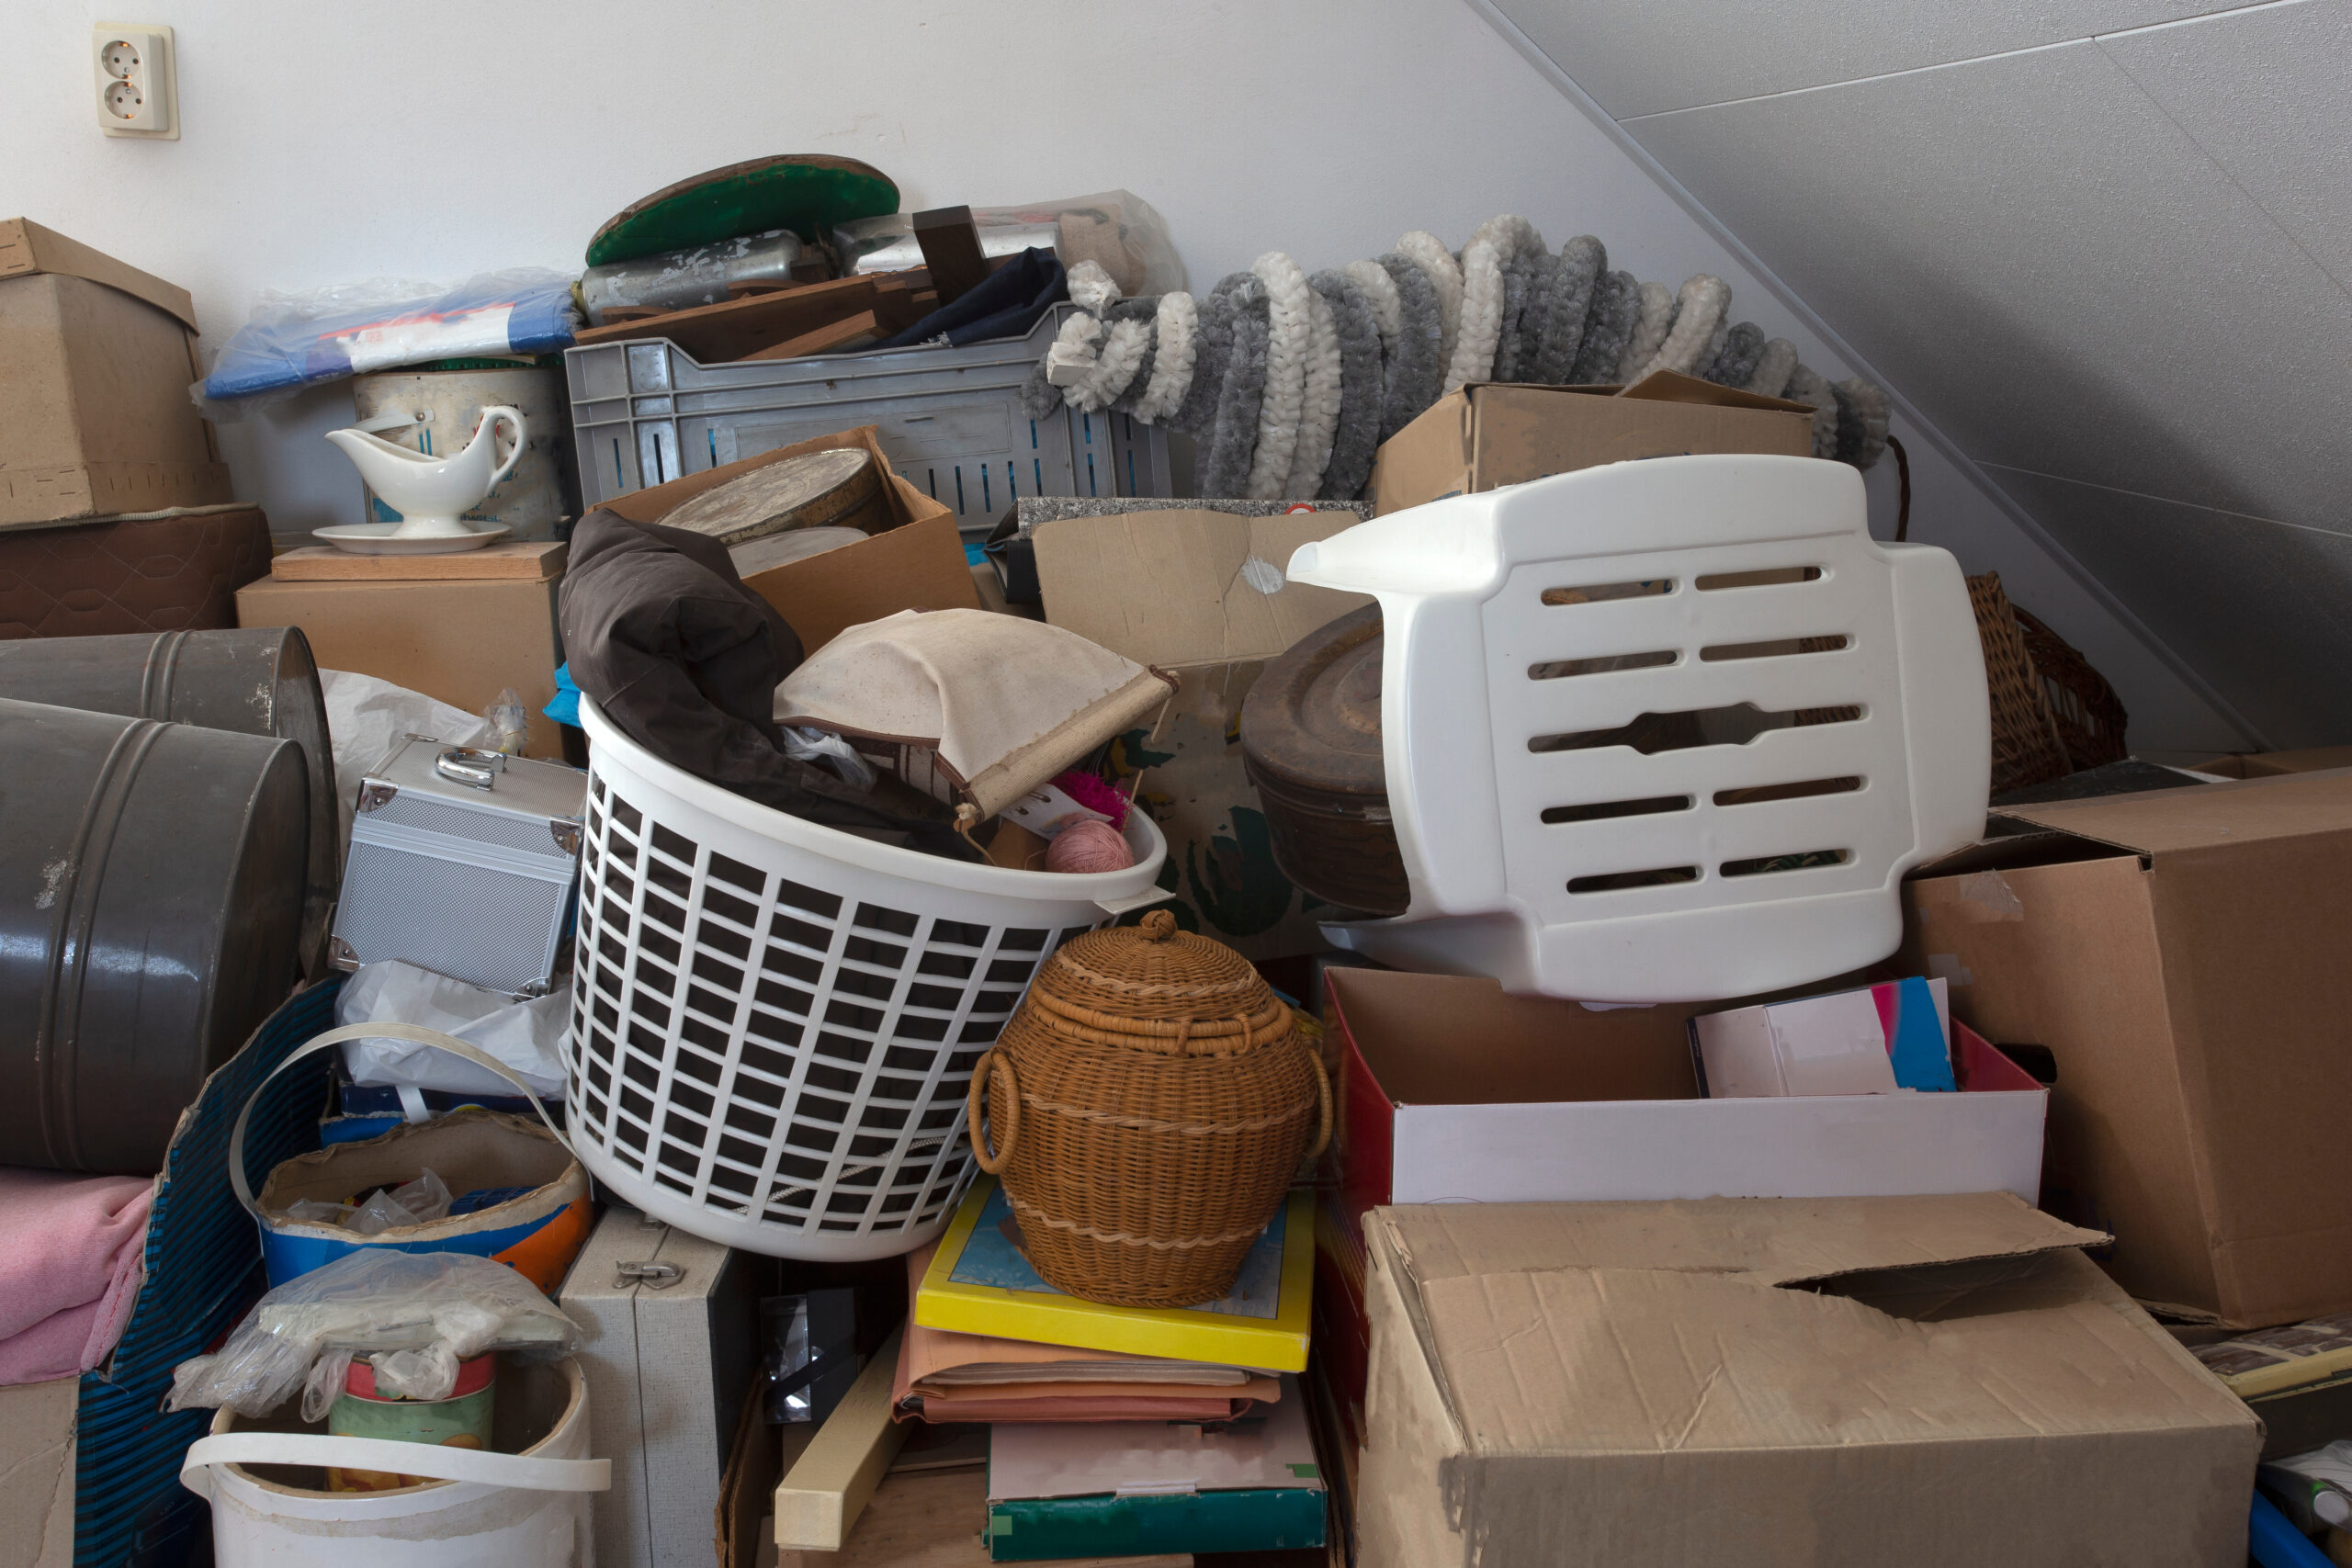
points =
(203, 1271)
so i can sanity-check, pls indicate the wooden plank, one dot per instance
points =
(819, 1500)
(951, 251)
(734, 328)
(933, 1519)
(534, 560)
(824, 340)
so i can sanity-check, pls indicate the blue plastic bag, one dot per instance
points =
(296, 341)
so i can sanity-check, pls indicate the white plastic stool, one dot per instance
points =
(1665, 730)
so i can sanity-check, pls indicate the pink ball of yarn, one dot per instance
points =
(1089, 846)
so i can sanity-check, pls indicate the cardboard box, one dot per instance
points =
(1200, 593)
(2274, 764)
(670, 1366)
(2181, 955)
(1895, 1034)
(1941, 1382)
(823, 595)
(96, 361)
(919, 566)
(1488, 435)
(1449, 1091)
(456, 641)
(37, 1473)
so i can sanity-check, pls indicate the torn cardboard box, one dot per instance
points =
(1941, 1382)
(37, 1473)
(2180, 955)
(915, 563)
(1200, 593)
(1486, 436)
(96, 361)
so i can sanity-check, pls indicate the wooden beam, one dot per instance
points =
(819, 1499)
(824, 340)
(733, 329)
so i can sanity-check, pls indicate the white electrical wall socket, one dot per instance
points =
(135, 82)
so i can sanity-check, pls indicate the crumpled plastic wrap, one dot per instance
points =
(413, 1314)
(1114, 227)
(527, 1037)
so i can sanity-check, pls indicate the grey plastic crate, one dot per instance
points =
(950, 421)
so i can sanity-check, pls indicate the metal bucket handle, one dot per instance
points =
(387, 1031)
(521, 1472)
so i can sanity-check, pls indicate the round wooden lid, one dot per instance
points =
(816, 489)
(1313, 720)
(798, 544)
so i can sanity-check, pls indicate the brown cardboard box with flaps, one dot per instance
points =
(1941, 1382)
(2179, 954)
(96, 361)
(1202, 595)
(915, 563)
(1491, 435)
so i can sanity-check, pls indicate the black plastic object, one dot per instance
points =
(257, 681)
(152, 882)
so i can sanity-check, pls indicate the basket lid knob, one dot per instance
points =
(1157, 926)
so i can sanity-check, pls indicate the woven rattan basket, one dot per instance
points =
(1148, 1106)
(2026, 750)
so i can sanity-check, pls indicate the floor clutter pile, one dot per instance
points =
(1026, 916)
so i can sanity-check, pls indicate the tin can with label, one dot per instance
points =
(460, 1421)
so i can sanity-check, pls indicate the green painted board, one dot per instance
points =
(1262, 1519)
(808, 193)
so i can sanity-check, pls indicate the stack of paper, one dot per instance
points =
(991, 1341)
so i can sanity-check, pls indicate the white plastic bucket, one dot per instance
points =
(486, 1510)
(774, 1023)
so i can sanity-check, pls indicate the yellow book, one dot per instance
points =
(979, 1283)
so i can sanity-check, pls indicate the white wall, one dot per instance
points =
(326, 143)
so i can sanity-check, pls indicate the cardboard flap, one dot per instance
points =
(1186, 587)
(27, 248)
(1673, 387)
(1772, 1242)
(2161, 822)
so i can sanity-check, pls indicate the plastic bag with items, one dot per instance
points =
(1115, 227)
(413, 1314)
(324, 334)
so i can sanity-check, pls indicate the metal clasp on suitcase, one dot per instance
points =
(652, 1276)
(467, 765)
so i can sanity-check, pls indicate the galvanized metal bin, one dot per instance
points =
(150, 901)
(260, 681)
(950, 421)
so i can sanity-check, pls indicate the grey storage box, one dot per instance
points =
(949, 420)
(670, 1330)
(463, 863)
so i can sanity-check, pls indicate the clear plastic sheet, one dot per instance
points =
(1115, 227)
(414, 1314)
(296, 340)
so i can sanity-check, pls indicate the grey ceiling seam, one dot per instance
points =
(2170, 501)
(1856, 363)
(1932, 65)
(2156, 100)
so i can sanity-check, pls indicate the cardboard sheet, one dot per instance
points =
(1051, 1459)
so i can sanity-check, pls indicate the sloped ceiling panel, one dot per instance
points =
(2112, 268)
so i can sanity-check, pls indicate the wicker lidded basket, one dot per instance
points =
(1148, 1104)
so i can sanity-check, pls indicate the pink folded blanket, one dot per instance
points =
(70, 1265)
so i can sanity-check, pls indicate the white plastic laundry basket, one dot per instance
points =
(774, 1024)
(1665, 730)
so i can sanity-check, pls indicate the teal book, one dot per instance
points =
(1135, 1488)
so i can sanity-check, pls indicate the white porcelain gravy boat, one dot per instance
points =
(433, 493)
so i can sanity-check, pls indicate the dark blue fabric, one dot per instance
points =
(1006, 304)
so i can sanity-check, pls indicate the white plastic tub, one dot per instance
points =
(488, 1510)
(775, 1022)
